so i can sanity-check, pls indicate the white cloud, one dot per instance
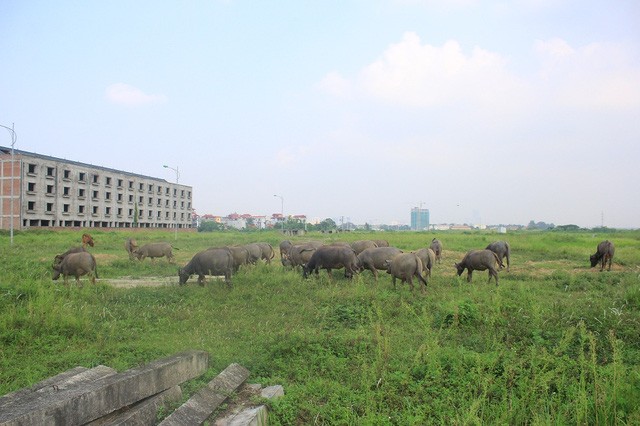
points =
(421, 75)
(336, 85)
(597, 75)
(124, 94)
(289, 156)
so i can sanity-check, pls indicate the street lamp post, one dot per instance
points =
(281, 209)
(14, 138)
(177, 182)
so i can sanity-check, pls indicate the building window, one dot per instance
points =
(119, 183)
(141, 187)
(107, 181)
(140, 213)
(65, 208)
(168, 191)
(31, 205)
(150, 215)
(94, 195)
(94, 210)
(141, 200)
(182, 193)
(50, 190)
(65, 191)
(159, 190)
(82, 176)
(130, 212)
(66, 174)
(130, 184)
(131, 198)
(119, 199)
(107, 195)
(81, 193)
(159, 202)
(175, 204)
(94, 179)
(166, 204)
(50, 171)
(166, 215)
(189, 194)
(49, 207)
(107, 211)
(150, 201)
(159, 216)
(150, 186)
(119, 211)
(175, 192)
(31, 187)
(31, 169)
(80, 209)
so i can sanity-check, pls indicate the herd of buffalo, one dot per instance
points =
(311, 256)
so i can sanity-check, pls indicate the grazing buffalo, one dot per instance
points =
(604, 254)
(87, 240)
(376, 258)
(153, 250)
(76, 264)
(60, 257)
(362, 245)
(480, 260)
(298, 255)
(332, 257)
(267, 252)
(428, 258)
(381, 243)
(284, 248)
(214, 261)
(406, 266)
(130, 246)
(502, 249)
(436, 246)
(255, 252)
(240, 256)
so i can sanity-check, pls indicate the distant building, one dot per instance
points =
(419, 219)
(52, 192)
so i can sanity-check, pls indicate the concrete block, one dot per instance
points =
(29, 398)
(256, 416)
(200, 406)
(79, 405)
(144, 412)
(272, 392)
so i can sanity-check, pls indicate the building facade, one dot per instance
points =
(39, 191)
(419, 219)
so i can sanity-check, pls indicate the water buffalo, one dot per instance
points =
(60, 257)
(436, 246)
(298, 255)
(480, 260)
(502, 249)
(153, 250)
(604, 254)
(376, 257)
(360, 246)
(284, 248)
(381, 243)
(214, 261)
(87, 240)
(267, 252)
(332, 257)
(240, 256)
(130, 246)
(406, 266)
(428, 258)
(255, 252)
(76, 264)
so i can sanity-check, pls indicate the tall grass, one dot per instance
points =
(556, 343)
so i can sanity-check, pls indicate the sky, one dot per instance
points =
(484, 112)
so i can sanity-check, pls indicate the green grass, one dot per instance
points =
(556, 343)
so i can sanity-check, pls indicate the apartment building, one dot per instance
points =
(39, 191)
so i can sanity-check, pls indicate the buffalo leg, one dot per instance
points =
(469, 272)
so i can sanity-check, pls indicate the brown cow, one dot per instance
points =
(87, 240)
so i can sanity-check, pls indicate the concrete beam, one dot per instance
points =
(200, 406)
(82, 404)
(144, 412)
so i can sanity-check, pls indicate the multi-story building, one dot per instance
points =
(52, 192)
(419, 219)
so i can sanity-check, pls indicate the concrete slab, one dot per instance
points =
(256, 416)
(144, 412)
(200, 406)
(79, 405)
(29, 398)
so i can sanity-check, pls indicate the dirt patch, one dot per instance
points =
(130, 282)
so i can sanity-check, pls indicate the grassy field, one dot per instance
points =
(557, 342)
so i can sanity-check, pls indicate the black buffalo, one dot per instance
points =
(604, 254)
